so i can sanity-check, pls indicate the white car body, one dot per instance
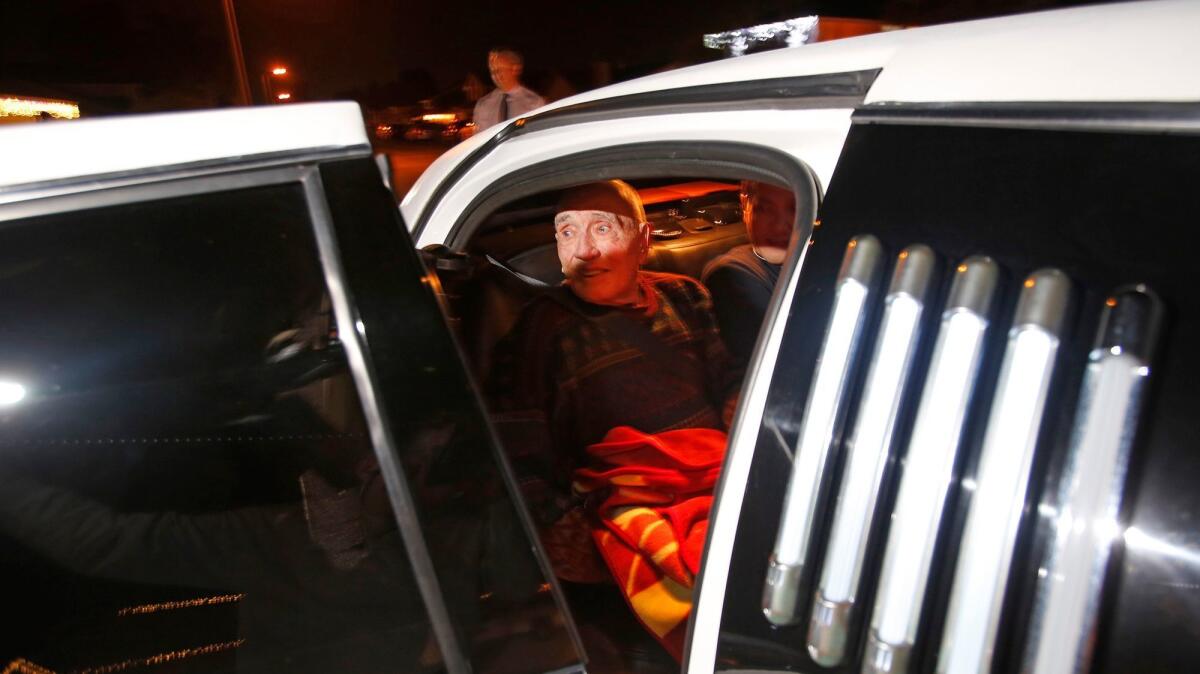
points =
(1135, 53)
(1116, 53)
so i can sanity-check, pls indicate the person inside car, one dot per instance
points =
(741, 280)
(617, 363)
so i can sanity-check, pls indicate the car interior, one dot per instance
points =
(509, 257)
(512, 253)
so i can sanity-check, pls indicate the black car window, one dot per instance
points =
(1100, 210)
(484, 552)
(187, 474)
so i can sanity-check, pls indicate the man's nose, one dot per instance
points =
(587, 249)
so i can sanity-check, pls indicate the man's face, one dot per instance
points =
(770, 214)
(600, 254)
(505, 73)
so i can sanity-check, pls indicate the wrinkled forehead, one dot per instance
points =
(586, 217)
(612, 197)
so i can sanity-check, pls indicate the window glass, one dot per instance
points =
(505, 607)
(188, 478)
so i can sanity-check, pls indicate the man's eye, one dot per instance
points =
(566, 233)
(604, 229)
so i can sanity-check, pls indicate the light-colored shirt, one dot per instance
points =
(520, 101)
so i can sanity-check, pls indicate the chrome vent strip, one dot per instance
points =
(1089, 499)
(1000, 482)
(868, 446)
(928, 466)
(860, 267)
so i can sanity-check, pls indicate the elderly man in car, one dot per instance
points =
(614, 391)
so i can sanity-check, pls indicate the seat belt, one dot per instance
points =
(536, 284)
(612, 321)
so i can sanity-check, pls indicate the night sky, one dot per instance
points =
(175, 53)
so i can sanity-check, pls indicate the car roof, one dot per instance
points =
(1138, 51)
(38, 153)
(1125, 52)
(1142, 51)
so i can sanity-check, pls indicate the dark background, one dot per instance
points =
(117, 56)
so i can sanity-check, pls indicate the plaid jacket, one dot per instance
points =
(560, 382)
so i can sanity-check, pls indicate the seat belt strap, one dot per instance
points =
(630, 331)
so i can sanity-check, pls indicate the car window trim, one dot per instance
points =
(400, 496)
(735, 160)
(700, 648)
(151, 189)
(108, 181)
(1124, 117)
(499, 458)
(827, 90)
(307, 177)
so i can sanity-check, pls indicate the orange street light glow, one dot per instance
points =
(279, 70)
(283, 96)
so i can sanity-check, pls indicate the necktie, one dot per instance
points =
(503, 107)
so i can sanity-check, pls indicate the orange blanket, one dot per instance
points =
(654, 495)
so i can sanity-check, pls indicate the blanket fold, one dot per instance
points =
(651, 495)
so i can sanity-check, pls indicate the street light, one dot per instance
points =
(272, 78)
(239, 61)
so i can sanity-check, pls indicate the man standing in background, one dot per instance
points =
(509, 99)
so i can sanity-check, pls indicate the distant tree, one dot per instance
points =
(413, 84)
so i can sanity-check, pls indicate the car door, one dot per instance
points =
(237, 435)
(974, 450)
(803, 116)
(787, 131)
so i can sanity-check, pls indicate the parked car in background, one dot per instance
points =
(242, 428)
(443, 126)
(388, 122)
(384, 131)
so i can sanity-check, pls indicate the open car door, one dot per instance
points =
(237, 435)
